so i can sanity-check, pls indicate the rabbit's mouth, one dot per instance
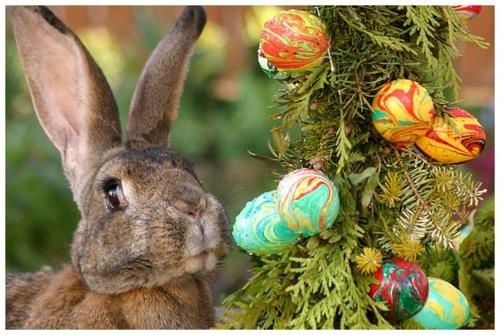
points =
(204, 261)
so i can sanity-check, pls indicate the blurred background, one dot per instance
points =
(223, 115)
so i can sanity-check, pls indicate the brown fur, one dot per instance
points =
(146, 263)
(67, 304)
(163, 69)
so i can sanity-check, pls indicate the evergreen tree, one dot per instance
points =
(394, 201)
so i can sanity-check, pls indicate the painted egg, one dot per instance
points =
(402, 111)
(308, 201)
(258, 228)
(464, 233)
(403, 286)
(446, 146)
(269, 69)
(446, 307)
(294, 40)
(467, 12)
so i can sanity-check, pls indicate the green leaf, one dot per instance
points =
(335, 238)
(366, 196)
(280, 141)
(312, 243)
(357, 178)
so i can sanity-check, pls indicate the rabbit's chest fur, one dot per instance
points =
(65, 303)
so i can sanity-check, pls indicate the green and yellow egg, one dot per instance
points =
(258, 228)
(446, 307)
(308, 201)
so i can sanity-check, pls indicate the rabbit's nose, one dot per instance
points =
(191, 209)
(196, 213)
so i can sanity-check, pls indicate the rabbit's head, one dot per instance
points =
(145, 216)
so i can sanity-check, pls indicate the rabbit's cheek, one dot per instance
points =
(212, 234)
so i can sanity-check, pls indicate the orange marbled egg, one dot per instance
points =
(294, 40)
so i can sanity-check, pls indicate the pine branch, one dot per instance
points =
(417, 205)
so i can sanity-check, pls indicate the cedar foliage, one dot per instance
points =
(392, 199)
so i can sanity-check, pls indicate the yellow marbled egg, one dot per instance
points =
(402, 111)
(446, 146)
(446, 307)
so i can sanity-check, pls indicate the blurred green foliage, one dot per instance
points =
(213, 132)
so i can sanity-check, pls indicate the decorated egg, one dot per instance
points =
(269, 69)
(294, 41)
(464, 233)
(258, 228)
(308, 201)
(402, 111)
(403, 286)
(467, 12)
(446, 146)
(446, 307)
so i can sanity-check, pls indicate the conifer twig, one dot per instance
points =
(423, 203)
(332, 67)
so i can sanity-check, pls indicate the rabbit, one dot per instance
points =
(150, 238)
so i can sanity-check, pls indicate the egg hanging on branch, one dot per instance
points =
(292, 41)
(269, 69)
(258, 228)
(402, 111)
(305, 203)
(403, 286)
(467, 12)
(308, 201)
(464, 233)
(446, 307)
(444, 145)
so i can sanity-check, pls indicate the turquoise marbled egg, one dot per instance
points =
(258, 228)
(446, 307)
(308, 201)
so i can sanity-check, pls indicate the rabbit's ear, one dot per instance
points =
(72, 99)
(156, 98)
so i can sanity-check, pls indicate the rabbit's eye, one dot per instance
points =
(115, 199)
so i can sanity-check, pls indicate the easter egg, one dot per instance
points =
(446, 146)
(464, 233)
(258, 228)
(294, 40)
(308, 201)
(446, 307)
(403, 286)
(467, 12)
(269, 69)
(402, 111)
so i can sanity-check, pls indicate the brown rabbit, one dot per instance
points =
(150, 237)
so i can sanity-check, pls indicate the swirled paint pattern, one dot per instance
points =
(294, 40)
(258, 228)
(308, 201)
(403, 286)
(402, 111)
(467, 12)
(269, 69)
(446, 146)
(446, 307)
